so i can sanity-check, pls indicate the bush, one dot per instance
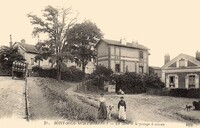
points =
(178, 92)
(100, 74)
(69, 74)
(130, 83)
(193, 93)
(137, 83)
(153, 81)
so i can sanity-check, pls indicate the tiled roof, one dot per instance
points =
(118, 43)
(29, 48)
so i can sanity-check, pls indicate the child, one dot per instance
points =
(122, 109)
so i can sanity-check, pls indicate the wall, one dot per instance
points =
(181, 77)
(102, 49)
(128, 57)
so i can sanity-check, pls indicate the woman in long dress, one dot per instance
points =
(122, 109)
(102, 113)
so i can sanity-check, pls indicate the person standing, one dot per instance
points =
(122, 109)
(102, 113)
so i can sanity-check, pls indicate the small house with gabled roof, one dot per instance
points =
(122, 56)
(183, 71)
(29, 52)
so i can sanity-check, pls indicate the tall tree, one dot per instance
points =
(8, 55)
(82, 37)
(55, 23)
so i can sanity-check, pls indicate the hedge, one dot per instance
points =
(132, 82)
(176, 92)
(70, 74)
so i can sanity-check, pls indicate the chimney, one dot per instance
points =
(11, 44)
(198, 55)
(123, 41)
(23, 41)
(167, 58)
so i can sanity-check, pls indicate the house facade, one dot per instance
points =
(29, 52)
(181, 72)
(121, 56)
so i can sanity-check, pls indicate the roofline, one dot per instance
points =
(181, 54)
(25, 49)
(128, 46)
(119, 45)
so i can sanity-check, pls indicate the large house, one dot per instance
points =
(181, 72)
(121, 56)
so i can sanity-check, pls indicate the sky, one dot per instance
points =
(164, 26)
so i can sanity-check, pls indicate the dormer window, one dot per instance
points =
(182, 63)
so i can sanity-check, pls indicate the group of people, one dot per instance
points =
(103, 111)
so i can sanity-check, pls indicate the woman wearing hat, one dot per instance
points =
(102, 113)
(122, 109)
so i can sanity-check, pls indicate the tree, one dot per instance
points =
(82, 37)
(55, 23)
(101, 74)
(8, 55)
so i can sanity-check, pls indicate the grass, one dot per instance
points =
(67, 106)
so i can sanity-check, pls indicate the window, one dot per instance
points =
(141, 69)
(141, 54)
(32, 61)
(172, 81)
(191, 81)
(182, 63)
(117, 67)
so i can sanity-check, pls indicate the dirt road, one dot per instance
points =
(12, 98)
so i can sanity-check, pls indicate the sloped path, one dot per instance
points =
(12, 105)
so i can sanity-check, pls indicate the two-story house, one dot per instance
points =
(121, 56)
(181, 72)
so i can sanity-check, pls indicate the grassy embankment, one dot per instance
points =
(49, 100)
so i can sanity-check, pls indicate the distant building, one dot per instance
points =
(155, 70)
(121, 56)
(29, 52)
(182, 71)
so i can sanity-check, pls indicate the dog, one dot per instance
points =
(188, 107)
(109, 111)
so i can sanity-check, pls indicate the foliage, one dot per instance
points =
(132, 82)
(55, 23)
(70, 73)
(82, 37)
(176, 92)
(8, 55)
(67, 106)
(152, 81)
(101, 74)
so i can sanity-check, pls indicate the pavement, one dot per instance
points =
(12, 99)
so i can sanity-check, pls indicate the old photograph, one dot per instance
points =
(100, 63)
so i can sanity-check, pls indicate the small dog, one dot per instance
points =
(188, 107)
(109, 111)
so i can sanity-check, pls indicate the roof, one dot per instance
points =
(28, 47)
(185, 56)
(154, 67)
(118, 43)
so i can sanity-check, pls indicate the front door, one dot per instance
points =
(172, 81)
